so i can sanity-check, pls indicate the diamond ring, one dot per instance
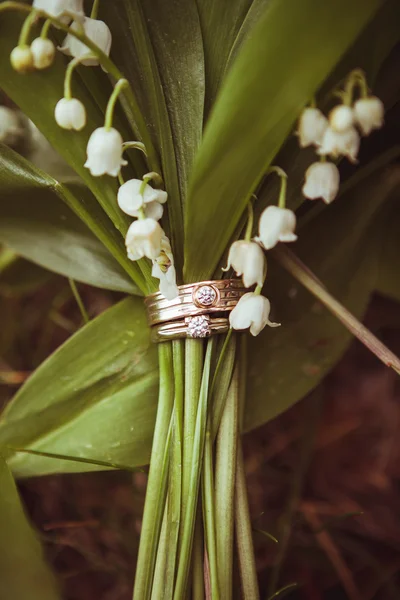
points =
(192, 312)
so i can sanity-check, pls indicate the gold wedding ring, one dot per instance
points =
(199, 311)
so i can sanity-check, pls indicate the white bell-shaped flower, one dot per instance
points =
(341, 118)
(21, 59)
(322, 180)
(11, 129)
(143, 238)
(70, 113)
(248, 261)
(340, 144)
(164, 270)
(98, 32)
(311, 127)
(130, 200)
(276, 225)
(104, 152)
(252, 311)
(58, 8)
(43, 52)
(369, 114)
(153, 210)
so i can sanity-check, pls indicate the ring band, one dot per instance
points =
(199, 311)
(206, 297)
(201, 326)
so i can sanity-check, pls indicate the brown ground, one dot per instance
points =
(335, 455)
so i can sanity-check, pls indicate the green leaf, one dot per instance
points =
(175, 33)
(220, 24)
(23, 570)
(37, 223)
(171, 88)
(289, 54)
(340, 246)
(95, 398)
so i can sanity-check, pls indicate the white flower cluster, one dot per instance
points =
(247, 258)
(70, 113)
(335, 136)
(145, 236)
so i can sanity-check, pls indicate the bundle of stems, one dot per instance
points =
(196, 512)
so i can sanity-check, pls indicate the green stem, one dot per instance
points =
(295, 267)
(250, 222)
(283, 177)
(68, 76)
(197, 459)
(45, 29)
(209, 516)
(198, 554)
(222, 380)
(157, 590)
(175, 478)
(137, 145)
(355, 79)
(244, 539)
(119, 86)
(194, 352)
(109, 66)
(79, 301)
(225, 467)
(26, 29)
(157, 482)
(95, 9)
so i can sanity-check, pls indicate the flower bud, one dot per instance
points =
(321, 181)
(369, 114)
(104, 152)
(252, 311)
(130, 200)
(98, 32)
(21, 59)
(58, 8)
(276, 225)
(248, 260)
(144, 238)
(70, 113)
(341, 118)
(340, 144)
(311, 127)
(11, 129)
(43, 52)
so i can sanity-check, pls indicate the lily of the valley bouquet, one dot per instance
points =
(221, 184)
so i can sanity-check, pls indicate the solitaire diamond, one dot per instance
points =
(206, 295)
(198, 327)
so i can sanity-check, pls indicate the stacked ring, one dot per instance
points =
(199, 311)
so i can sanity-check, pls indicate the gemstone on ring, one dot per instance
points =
(205, 295)
(198, 327)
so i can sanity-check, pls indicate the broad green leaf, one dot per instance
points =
(19, 276)
(71, 145)
(289, 54)
(135, 55)
(174, 29)
(220, 24)
(341, 247)
(95, 397)
(23, 570)
(37, 223)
